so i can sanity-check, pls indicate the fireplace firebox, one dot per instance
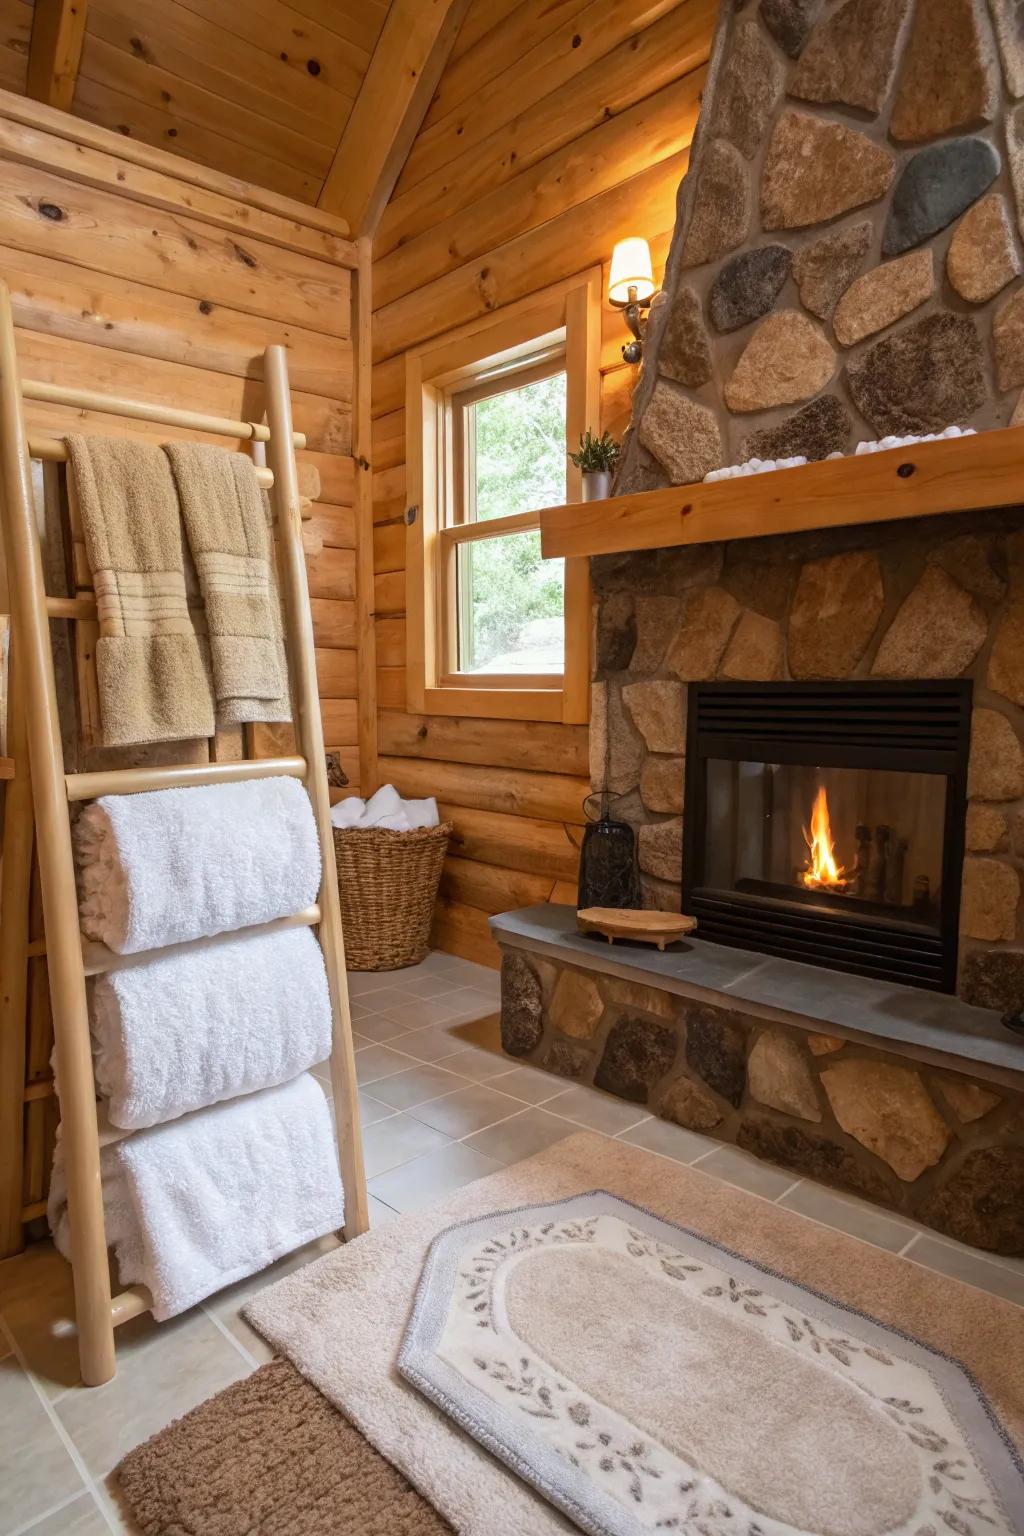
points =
(824, 822)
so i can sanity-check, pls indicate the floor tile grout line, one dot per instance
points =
(249, 1359)
(982, 1290)
(62, 1434)
(795, 1184)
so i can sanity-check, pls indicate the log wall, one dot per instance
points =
(130, 279)
(558, 127)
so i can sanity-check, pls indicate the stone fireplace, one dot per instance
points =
(845, 267)
(847, 252)
(865, 1077)
(935, 604)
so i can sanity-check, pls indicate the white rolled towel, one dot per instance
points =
(177, 864)
(195, 1205)
(179, 1031)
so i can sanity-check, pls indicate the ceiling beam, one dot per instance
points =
(55, 51)
(405, 68)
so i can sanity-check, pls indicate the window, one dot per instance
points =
(509, 439)
(491, 414)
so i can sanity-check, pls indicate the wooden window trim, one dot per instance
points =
(566, 315)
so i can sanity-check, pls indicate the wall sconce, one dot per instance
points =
(631, 289)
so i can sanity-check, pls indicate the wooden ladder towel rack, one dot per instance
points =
(39, 810)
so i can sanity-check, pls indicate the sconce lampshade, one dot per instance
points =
(631, 268)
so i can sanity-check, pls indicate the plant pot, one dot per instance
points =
(597, 484)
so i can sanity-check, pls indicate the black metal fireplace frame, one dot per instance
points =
(920, 727)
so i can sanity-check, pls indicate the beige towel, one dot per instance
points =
(153, 684)
(227, 524)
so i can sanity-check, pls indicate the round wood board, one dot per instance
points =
(659, 928)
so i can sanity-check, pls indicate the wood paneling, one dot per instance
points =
(263, 89)
(407, 63)
(127, 280)
(558, 127)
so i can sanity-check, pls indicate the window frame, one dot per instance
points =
(559, 328)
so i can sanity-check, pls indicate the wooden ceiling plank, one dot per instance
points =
(131, 118)
(180, 99)
(55, 50)
(638, 67)
(15, 36)
(357, 21)
(307, 47)
(588, 36)
(481, 20)
(178, 41)
(512, 38)
(300, 224)
(403, 74)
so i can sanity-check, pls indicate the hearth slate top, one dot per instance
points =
(908, 1020)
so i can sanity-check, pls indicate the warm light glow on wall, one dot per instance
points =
(631, 268)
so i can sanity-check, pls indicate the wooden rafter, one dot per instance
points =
(404, 70)
(55, 51)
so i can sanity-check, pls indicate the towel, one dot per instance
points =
(151, 674)
(385, 809)
(193, 1206)
(181, 1031)
(227, 524)
(176, 864)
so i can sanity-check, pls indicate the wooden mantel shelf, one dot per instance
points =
(958, 474)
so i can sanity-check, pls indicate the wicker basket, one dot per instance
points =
(388, 883)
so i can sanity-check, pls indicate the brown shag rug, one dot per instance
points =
(269, 1455)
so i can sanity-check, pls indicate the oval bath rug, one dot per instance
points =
(645, 1379)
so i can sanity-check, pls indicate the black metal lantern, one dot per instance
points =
(609, 872)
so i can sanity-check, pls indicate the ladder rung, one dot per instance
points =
(44, 1089)
(145, 410)
(34, 1211)
(52, 450)
(134, 781)
(129, 1304)
(83, 607)
(98, 959)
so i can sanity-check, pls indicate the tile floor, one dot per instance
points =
(441, 1106)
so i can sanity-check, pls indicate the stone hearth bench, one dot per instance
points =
(908, 1098)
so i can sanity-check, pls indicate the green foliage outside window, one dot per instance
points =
(520, 466)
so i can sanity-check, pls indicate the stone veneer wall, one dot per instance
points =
(943, 597)
(942, 1148)
(848, 237)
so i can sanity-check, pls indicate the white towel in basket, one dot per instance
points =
(176, 1032)
(193, 1206)
(176, 864)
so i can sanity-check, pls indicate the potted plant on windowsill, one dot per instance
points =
(596, 457)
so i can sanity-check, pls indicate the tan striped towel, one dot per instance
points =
(152, 679)
(227, 524)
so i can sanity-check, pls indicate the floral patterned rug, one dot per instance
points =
(646, 1379)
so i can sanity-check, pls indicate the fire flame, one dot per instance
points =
(822, 871)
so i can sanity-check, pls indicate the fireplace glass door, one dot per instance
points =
(827, 825)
